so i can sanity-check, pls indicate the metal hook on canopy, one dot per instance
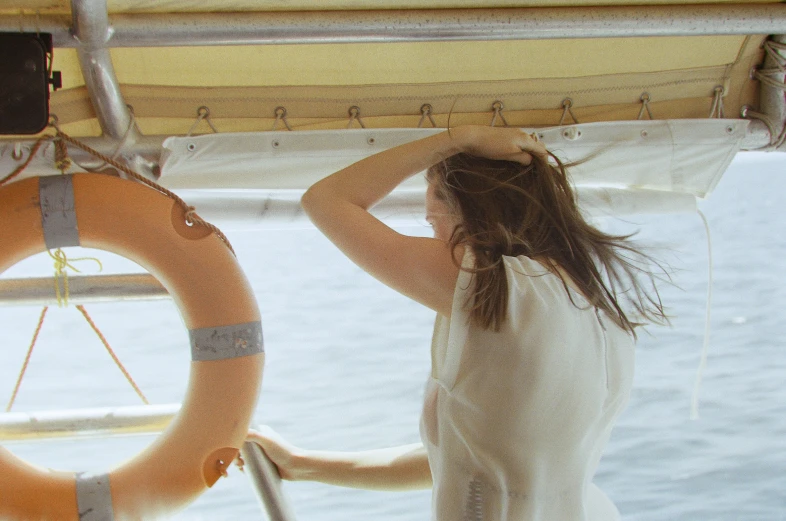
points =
(498, 107)
(425, 111)
(281, 115)
(202, 113)
(354, 114)
(645, 105)
(567, 108)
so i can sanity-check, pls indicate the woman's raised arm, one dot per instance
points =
(418, 267)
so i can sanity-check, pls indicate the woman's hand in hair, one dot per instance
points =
(504, 143)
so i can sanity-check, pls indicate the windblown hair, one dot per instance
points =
(506, 208)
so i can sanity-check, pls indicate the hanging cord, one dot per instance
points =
(21, 168)
(27, 359)
(694, 403)
(190, 212)
(354, 115)
(61, 273)
(498, 107)
(716, 111)
(202, 113)
(61, 265)
(567, 108)
(645, 105)
(281, 115)
(112, 354)
(425, 112)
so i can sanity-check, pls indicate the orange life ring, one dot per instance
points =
(218, 308)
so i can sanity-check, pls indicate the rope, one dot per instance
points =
(765, 76)
(567, 108)
(716, 111)
(62, 161)
(24, 165)
(645, 105)
(202, 113)
(121, 144)
(425, 112)
(27, 359)
(498, 107)
(112, 354)
(61, 263)
(354, 114)
(694, 403)
(191, 216)
(281, 115)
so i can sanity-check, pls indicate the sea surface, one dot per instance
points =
(347, 359)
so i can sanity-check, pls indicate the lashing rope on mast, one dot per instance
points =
(770, 77)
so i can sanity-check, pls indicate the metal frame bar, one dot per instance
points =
(82, 289)
(535, 23)
(92, 32)
(135, 420)
(100, 421)
(772, 100)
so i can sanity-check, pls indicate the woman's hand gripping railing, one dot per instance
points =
(267, 482)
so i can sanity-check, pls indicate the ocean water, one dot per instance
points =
(347, 359)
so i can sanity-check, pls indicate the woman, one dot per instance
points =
(532, 353)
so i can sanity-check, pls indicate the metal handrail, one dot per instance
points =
(81, 289)
(141, 419)
(267, 483)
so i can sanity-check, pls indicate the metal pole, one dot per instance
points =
(92, 32)
(533, 23)
(148, 148)
(267, 483)
(103, 421)
(81, 289)
(772, 98)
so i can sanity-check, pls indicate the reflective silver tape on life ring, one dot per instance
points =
(224, 342)
(58, 216)
(94, 497)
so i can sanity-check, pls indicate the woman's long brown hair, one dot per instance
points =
(509, 209)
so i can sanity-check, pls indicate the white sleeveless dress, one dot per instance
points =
(515, 421)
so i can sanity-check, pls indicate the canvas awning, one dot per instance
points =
(242, 85)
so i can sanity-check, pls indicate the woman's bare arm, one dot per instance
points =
(418, 267)
(395, 468)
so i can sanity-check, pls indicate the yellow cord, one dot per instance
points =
(61, 264)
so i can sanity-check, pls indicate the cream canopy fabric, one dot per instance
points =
(390, 82)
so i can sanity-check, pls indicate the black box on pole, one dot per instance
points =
(24, 82)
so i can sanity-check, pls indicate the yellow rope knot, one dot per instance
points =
(61, 265)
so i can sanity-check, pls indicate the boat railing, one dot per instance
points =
(141, 419)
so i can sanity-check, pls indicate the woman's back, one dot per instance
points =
(515, 421)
